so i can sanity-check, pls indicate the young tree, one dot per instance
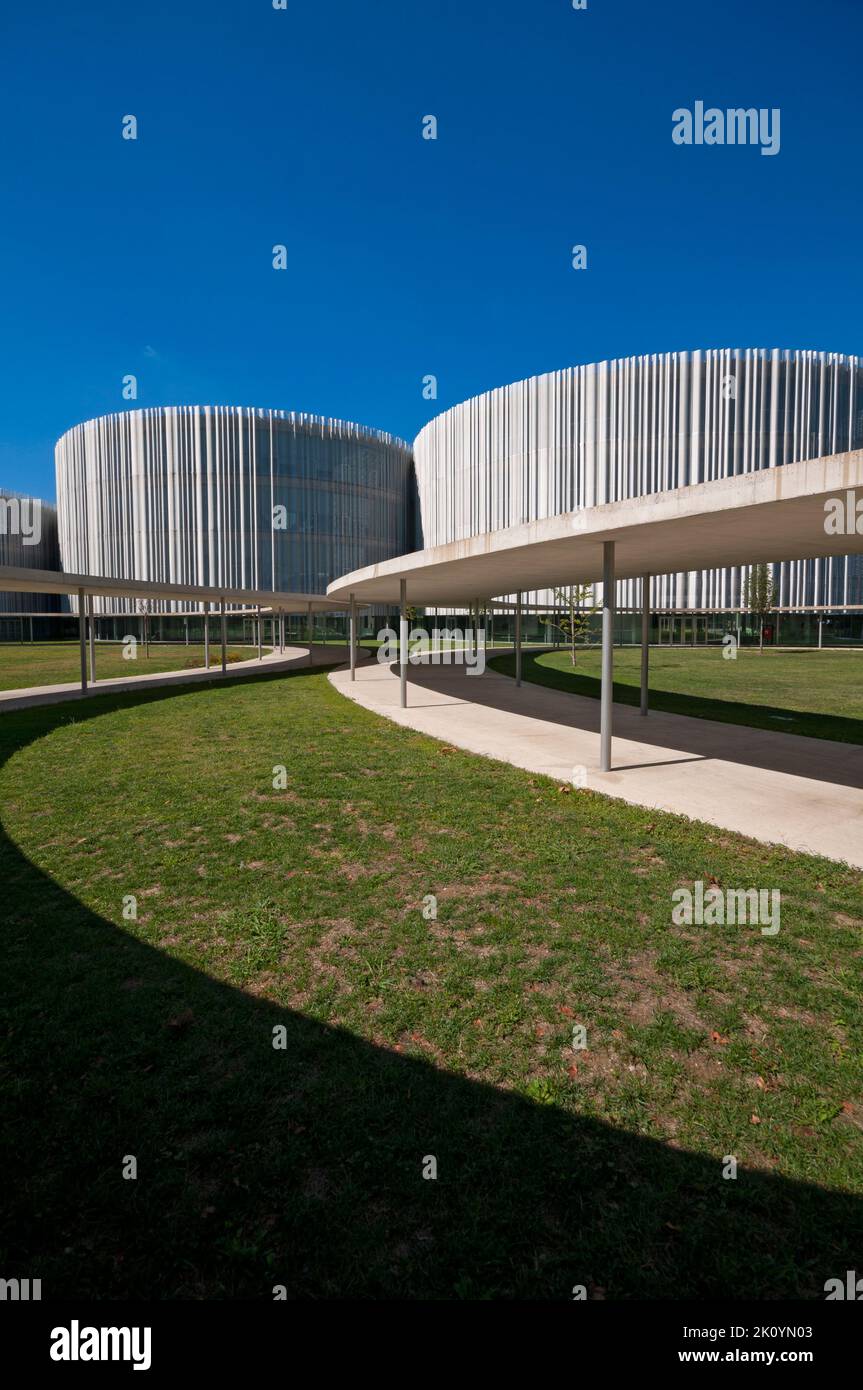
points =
(760, 596)
(578, 604)
(145, 606)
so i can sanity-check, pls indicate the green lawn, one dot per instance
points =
(405, 1037)
(54, 663)
(798, 692)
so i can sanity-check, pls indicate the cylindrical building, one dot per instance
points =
(623, 428)
(257, 499)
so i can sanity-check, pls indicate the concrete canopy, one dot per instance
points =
(762, 517)
(26, 581)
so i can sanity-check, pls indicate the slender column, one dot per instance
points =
(518, 639)
(260, 647)
(311, 634)
(207, 634)
(403, 642)
(224, 627)
(353, 638)
(281, 634)
(645, 642)
(92, 643)
(820, 632)
(606, 704)
(82, 633)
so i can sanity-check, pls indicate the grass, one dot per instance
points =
(55, 663)
(300, 908)
(819, 694)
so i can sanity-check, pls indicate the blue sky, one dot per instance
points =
(406, 257)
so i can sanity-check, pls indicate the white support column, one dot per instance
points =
(281, 634)
(92, 643)
(645, 642)
(260, 645)
(224, 635)
(353, 637)
(820, 631)
(311, 634)
(403, 643)
(207, 634)
(82, 636)
(518, 639)
(606, 700)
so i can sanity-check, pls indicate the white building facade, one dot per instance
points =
(256, 499)
(625, 428)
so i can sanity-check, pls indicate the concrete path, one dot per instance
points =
(805, 793)
(293, 658)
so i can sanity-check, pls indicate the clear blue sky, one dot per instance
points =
(406, 257)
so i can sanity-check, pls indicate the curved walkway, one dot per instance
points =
(293, 658)
(785, 789)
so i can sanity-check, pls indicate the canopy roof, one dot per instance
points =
(767, 516)
(18, 579)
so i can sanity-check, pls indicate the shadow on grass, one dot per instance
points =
(302, 1166)
(774, 717)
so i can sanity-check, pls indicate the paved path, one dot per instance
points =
(805, 793)
(293, 658)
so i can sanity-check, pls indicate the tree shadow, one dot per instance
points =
(302, 1167)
